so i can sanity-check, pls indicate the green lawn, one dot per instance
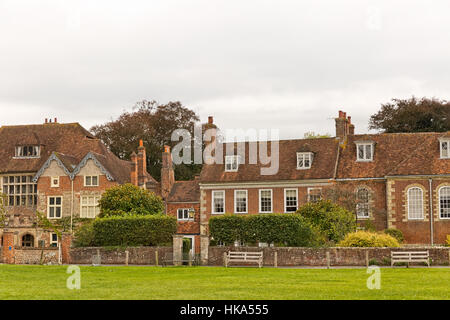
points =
(200, 283)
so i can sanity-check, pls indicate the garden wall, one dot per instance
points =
(36, 255)
(137, 256)
(291, 257)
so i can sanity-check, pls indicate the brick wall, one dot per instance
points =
(36, 255)
(138, 256)
(318, 256)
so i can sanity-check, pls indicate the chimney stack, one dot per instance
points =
(46, 120)
(344, 126)
(134, 169)
(141, 164)
(167, 173)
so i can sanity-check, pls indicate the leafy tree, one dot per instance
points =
(128, 199)
(313, 135)
(3, 215)
(412, 115)
(332, 220)
(153, 123)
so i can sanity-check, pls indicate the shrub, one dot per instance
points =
(281, 229)
(128, 199)
(397, 234)
(84, 236)
(447, 243)
(368, 239)
(331, 219)
(150, 230)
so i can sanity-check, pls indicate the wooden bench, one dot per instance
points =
(410, 256)
(246, 257)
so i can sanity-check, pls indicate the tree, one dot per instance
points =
(154, 124)
(412, 115)
(313, 135)
(3, 214)
(128, 199)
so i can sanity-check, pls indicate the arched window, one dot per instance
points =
(28, 241)
(415, 203)
(362, 206)
(444, 203)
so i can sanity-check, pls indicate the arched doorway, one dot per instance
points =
(28, 241)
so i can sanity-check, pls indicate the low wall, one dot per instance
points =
(36, 255)
(291, 257)
(138, 256)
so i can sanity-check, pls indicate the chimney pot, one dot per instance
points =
(56, 120)
(349, 119)
(141, 143)
(46, 120)
(210, 120)
(166, 149)
(341, 114)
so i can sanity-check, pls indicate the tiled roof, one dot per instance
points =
(70, 142)
(323, 166)
(185, 191)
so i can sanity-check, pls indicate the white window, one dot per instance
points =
(184, 214)
(218, 202)
(20, 191)
(445, 149)
(304, 160)
(362, 205)
(265, 201)
(364, 151)
(53, 240)
(415, 203)
(54, 182)
(240, 201)
(444, 202)
(231, 163)
(314, 194)
(27, 151)
(54, 207)
(89, 206)
(91, 181)
(290, 200)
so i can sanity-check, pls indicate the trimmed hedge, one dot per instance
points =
(368, 239)
(280, 229)
(397, 234)
(151, 230)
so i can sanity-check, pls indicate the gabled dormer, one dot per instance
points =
(231, 163)
(27, 151)
(444, 146)
(365, 151)
(304, 160)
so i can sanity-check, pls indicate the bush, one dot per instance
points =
(447, 243)
(397, 234)
(368, 239)
(332, 220)
(150, 230)
(280, 229)
(84, 236)
(128, 199)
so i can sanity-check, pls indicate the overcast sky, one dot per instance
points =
(280, 64)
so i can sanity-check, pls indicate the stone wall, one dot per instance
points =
(291, 257)
(136, 256)
(36, 255)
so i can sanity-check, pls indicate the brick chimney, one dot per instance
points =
(351, 126)
(343, 126)
(141, 164)
(167, 173)
(134, 169)
(212, 128)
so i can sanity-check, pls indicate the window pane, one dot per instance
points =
(444, 202)
(362, 206)
(51, 201)
(368, 152)
(218, 200)
(241, 201)
(58, 200)
(361, 152)
(291, 200)
(415, 203)
(88, 181)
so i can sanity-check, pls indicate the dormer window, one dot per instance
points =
(445, 148)
(364, 151)
(27, 151)
(231, 163)
(304, 160)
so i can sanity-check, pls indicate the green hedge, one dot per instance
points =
(279, 229)
(151, 230)
(397, 234)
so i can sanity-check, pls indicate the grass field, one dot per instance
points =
(201, 283)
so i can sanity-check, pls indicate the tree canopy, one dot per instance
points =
(153, 123)
(412, 115)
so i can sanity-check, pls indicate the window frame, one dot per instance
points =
(441, 142)
(440, 205)
(271, 200)
(95, 196)
(314, 188)
(52, 242)
(362, 217)
(234, 158)
(212, 202)
(184, 219)
(52, 185)
(92, 185)
(19, 149)
(54, 206)
(285, 199)
(365, 144)
(310, 159)
(246, 201)
(408, 203)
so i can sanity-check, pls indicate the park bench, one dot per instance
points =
(245, 257)
(410, 256)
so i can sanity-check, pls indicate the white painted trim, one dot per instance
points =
(212, 202)
(92, 185)
(439, 203)
(235, 202)
(267, 184)
(309, 192)
(441, 141)
(407, 203)
(296, 192)
(183, 219)
(48, 207)
(193, 242)
(271, 201)
(237, 163)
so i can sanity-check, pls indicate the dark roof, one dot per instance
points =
(70, 142)
(323, 166)
(185, 191)
(394, 154)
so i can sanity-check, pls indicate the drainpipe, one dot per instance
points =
(431, 212)
(71, 210)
